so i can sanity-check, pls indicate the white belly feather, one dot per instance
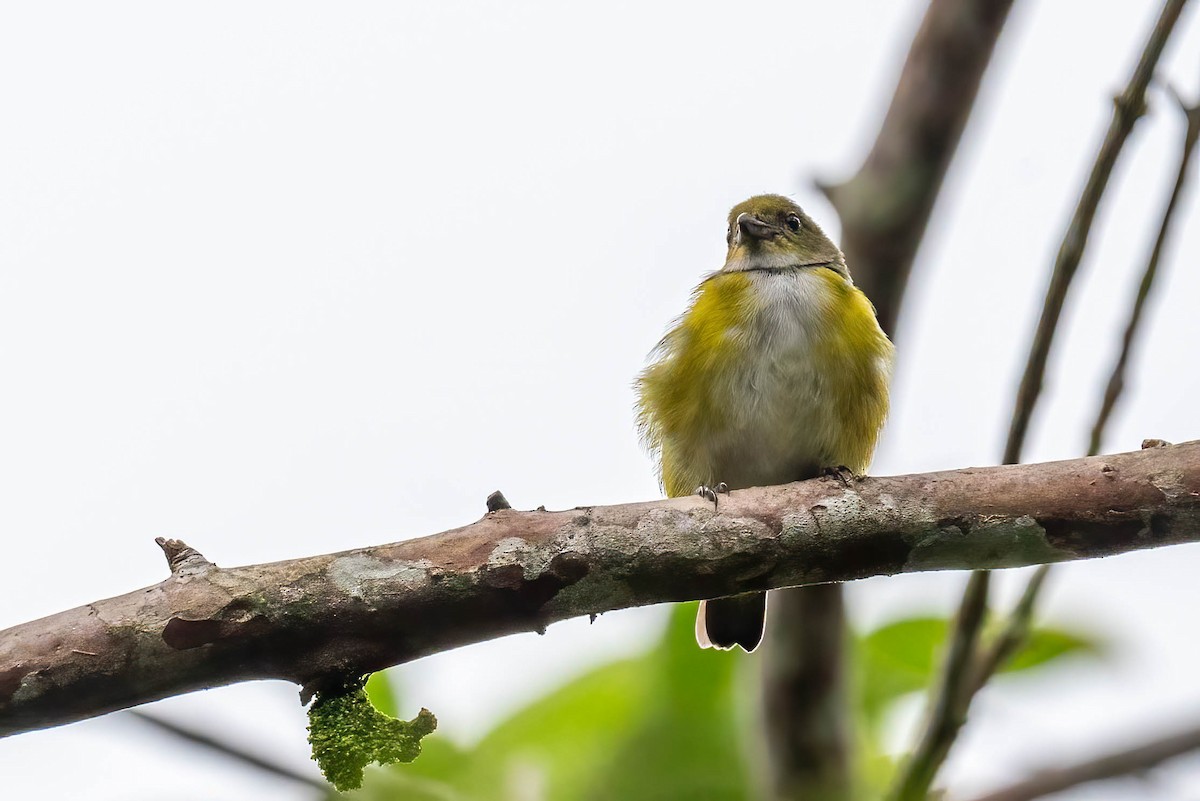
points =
(781, 418)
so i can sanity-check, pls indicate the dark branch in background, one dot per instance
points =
(884, 210)
(1011, 637)
(218, 745)
(1116, 381)
(306, 620)
(1145, 756)
(950, 703)
(885, 207)
(952, 698)
(805, 710)
(1109, 766)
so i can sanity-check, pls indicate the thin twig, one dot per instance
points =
(949, 709)
(1109, 766)
(959, 684)
(1016, 630)
(1128, 107)
(1116, 381)
(1012, 636)
(219, 745)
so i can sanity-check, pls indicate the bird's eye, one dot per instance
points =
(793, 222)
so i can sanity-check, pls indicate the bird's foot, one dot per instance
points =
(712, 493)
(841, 473)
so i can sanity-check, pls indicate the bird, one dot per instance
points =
(778, 371)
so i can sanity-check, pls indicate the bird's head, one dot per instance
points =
(770, 232)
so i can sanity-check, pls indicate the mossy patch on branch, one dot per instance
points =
(347, 733)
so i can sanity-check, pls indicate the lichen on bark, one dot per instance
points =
(347, 733)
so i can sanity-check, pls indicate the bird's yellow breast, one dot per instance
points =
(767, 378)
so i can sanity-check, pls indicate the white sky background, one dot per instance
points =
(285, 279)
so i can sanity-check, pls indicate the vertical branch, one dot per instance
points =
(805, 682)
(884, 210)
(886, 206)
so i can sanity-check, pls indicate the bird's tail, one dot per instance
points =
(737, 620)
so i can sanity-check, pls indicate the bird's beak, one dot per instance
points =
(754, 228)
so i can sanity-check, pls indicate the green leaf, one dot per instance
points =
(896, 659)
(397, 784)
(381, 689)
(441, 761)
(1045, 645)
(911, 644)
(689, 741)
(559, 742)
(903, 656)
(661, 726)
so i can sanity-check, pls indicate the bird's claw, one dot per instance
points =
(841, 473)
(711, 493)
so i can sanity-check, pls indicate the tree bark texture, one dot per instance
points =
(367, 609)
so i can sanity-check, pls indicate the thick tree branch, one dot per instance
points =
(367, 609)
